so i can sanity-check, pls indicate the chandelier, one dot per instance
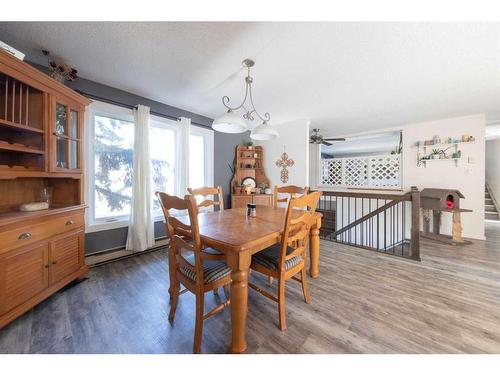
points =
(229, 122)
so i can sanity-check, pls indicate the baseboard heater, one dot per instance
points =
(112, 255)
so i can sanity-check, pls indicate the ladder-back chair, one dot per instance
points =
(204, 191)
(286, 259)
(291, 191)
(189, 265)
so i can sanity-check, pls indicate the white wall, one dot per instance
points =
(468, 176)
(294, 136)
(314, 155)
(493, 167)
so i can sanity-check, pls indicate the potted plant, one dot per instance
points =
(249, 145)
(397, 150)
(436, 154)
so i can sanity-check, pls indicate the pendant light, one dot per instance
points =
(231, 123)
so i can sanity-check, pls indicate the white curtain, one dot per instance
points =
(141, 227)
(185, 130)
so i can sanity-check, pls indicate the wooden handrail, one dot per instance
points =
(371, 195)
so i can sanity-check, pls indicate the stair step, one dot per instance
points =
(490, 208)
(491, 215)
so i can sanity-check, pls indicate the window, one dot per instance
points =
(113, 147)
(110, 153)
(201, 157)
(163, 152)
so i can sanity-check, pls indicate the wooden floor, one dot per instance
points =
(362, 302)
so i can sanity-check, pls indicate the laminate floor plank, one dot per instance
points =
(362, 302)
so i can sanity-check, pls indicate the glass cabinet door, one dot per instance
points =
(67, 138)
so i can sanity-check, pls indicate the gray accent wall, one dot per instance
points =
(224, 148)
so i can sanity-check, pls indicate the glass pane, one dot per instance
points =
(61, 120)
(74, 124)
(61, 153)
(162, 152)
(74, 154)
(113, 143)
(196, 161)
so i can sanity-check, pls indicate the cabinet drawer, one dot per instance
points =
(29, 234)
(239, 201)
(263, 200)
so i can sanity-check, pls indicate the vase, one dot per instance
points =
(58, 77)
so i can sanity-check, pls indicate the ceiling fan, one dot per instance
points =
(318, 139)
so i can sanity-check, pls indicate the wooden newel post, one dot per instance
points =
(415, 223)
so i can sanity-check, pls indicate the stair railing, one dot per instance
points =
(380, 221)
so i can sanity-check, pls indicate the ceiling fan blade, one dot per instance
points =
(326, 143)
(334, 139)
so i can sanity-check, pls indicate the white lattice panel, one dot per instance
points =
(355, 172)
(385, 170)
(331, 172)
(382, 170)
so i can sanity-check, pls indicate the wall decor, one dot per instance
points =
(284, 163)
(60, 71)
(430, 151)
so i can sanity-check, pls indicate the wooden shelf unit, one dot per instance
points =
(41, 251)
(249, 163)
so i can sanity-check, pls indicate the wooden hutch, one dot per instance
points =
(249, 163)
(41, 145)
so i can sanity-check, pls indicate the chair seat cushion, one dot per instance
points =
(213, 270)
(211, 251)
(270, 257)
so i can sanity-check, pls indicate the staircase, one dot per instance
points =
(490, 211)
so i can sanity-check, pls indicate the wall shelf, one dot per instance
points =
(443, 145)
(425, 161)
(455, 154)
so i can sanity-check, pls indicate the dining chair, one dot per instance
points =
(189, 266)
(287, 259)
(291, 191)
(204, 191)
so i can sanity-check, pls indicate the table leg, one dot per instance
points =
(314, 253)
(240, 264)
(314, 249)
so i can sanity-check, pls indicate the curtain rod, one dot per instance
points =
(129, 106)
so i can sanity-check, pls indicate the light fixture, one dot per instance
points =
(231, 123)
(264, 132)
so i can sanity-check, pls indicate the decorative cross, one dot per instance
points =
(284, 163)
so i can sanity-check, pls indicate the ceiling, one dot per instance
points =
(344, 77)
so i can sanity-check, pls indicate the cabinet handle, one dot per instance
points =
(24, 236)
(46, 266)
(70, 222)
(54, 262)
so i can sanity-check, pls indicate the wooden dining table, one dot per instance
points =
(239, 236)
